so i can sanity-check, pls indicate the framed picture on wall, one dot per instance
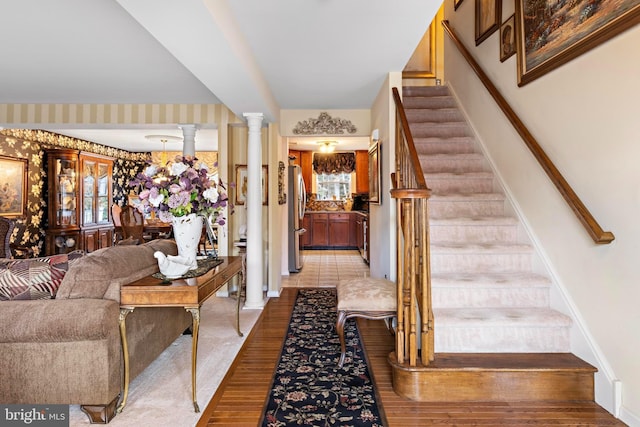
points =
(374, 173)
(13, 187)
(508, 38)
(487, 18)
(549, 36)
(242, 183)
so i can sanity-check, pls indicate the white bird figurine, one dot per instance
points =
(173, 266)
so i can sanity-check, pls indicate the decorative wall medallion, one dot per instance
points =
(324, 124)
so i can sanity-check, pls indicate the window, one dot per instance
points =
(333, 186)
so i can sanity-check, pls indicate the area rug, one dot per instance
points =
(161, 394)
(308, 388)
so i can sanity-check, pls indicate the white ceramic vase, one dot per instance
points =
(187, 231)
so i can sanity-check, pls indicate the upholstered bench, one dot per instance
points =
(365, 297)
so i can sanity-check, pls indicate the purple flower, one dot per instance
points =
(180, 190)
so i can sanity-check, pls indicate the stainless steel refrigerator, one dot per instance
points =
(297, 199)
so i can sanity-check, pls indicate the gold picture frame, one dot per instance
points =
(241, 184)
(550, 38)
(374, 173)
(14, 175)
(508, 38)
(488, 16)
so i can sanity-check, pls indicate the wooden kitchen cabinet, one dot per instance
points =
(320, 229)
(339, 229)
(353, 229)
(362, 171)
(330, 230)
(305, 238)
(306, 164)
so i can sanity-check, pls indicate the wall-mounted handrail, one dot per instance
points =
(588, 221)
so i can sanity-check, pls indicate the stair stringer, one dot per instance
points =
(582, 342)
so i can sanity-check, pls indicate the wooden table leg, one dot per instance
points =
(124, 312)
(195, 315)
(242, 285)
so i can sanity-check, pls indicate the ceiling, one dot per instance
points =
(251, 55)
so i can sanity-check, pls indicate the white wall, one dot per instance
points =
(584, 115)
(382, 217)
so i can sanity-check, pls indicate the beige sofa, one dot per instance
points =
(67, 350)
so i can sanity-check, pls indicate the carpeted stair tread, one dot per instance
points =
(495, 279)
(468, 196)
(444, 101)
(440, 129)
(431, 91)
(472, 248)
(493, 317)
(474, 230)
(437, 145)
(499, 289)
(434, 115)
(479, 220)
(485, 294)
(459, 182)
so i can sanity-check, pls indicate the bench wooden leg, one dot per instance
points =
(342, 317)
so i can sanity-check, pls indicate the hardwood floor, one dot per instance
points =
(239, 400)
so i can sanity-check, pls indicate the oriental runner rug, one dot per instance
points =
(308, 387)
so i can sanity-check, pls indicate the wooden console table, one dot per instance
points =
(186, 293)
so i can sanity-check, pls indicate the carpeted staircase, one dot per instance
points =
(486, 296)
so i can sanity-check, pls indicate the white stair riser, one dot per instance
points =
(479, 296)
(501, 339)
(483, 263)
(473, 233)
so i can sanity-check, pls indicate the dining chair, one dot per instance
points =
(115, 214)
(132, 223)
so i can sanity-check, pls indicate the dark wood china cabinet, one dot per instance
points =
(79, 198)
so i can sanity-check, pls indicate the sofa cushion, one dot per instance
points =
(34, 278)
(101, 273)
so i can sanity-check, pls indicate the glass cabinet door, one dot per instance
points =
(66, 208)
(88, 192)
(103, 193)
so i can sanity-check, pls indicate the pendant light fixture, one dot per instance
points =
(327, 146)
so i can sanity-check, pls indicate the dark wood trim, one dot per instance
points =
(596, 232)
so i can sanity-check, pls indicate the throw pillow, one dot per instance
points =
(34, 278)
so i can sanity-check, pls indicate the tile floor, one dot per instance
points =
(324, 268)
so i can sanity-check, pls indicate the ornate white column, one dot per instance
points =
(188, 139)
(255, 278)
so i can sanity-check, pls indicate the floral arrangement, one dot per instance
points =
(180, 190)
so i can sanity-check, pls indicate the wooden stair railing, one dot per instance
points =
(596, 232)
(415, 314)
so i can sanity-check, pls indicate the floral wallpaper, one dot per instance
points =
(30, 145)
